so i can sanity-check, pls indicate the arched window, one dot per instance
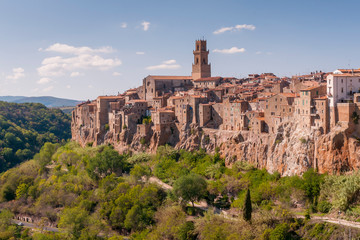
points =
(204, 61)
(197, 47)
(197, 60)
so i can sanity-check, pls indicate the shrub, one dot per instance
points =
(281, 232)
(303, 140)
(107, 127)
(143, 141)
(324, 206)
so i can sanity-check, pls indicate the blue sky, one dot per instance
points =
(82, 49)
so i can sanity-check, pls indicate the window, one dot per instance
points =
(342, 80)
(342, 90)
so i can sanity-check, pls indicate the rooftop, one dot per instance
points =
(170, 77)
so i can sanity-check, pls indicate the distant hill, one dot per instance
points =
(48, 101)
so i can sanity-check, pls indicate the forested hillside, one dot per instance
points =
(24, 128)
(96, 193)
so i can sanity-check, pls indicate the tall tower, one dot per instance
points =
(201, 67)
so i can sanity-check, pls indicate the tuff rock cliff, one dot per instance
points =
(292, 150)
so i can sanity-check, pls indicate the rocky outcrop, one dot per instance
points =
(292, 150)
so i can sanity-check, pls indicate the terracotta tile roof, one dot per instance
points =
(289, 95)
(208, 79)
(110, 97)
(321, 98)
(170, 77)
(346, 75)
(310, 88)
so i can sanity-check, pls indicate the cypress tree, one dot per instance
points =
(247, 207)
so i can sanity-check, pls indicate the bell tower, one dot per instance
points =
(201, 67)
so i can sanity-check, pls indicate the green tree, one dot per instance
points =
(191, 187)
(22, 190)
(74, 220)
(312, 182)
(106, 162)
(247, 206)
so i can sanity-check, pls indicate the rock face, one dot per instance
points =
(290, 151)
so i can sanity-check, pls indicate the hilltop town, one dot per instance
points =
(284, 124)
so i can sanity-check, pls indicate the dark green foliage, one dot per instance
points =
(281, 232)
(24, 128)
(324, 206)
(146, 120)
(355, 117)
(106, 162)
(311, 184)
(191, 188)
(247, 207)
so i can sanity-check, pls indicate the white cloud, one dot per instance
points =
(116, 74)
(64, 48)
(48, 89)
(172, 61)
(258, 52)
(169, 64)
(43, 81)
(145, 25)
(68, 86)
(76, 74)
(124, 25)
(85, 58)
(230, 50)
(235, 28)
(140, 53)
(90, 86)
(17, 73)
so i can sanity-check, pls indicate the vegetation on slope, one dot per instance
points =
(95, 193)
(24, 128)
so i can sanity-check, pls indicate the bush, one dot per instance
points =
(281, 232)
(324, 206)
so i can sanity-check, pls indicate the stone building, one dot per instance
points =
(311, 108)
(278, 108)
(209, 82)
(157, 86)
